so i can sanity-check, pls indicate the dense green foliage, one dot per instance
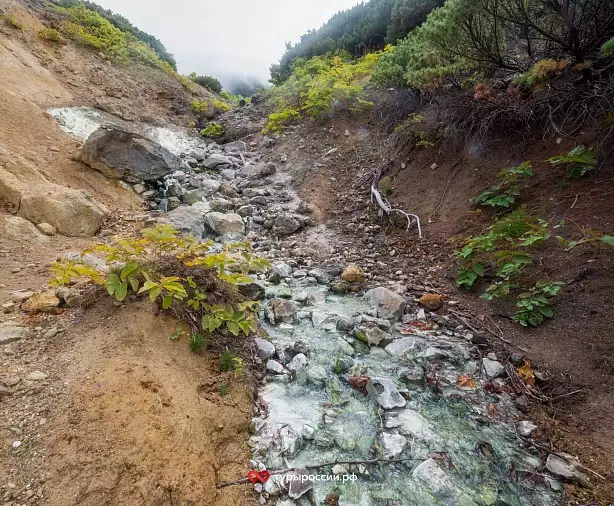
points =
(321, 86)
(503, 35)
(366, 27)
(126, 26)
(207, 82)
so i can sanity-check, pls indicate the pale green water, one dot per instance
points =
(484, 461)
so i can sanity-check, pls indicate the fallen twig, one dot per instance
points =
(501, 338)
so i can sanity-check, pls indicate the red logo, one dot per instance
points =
(255, 476)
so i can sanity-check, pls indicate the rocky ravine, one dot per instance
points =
(349, 378)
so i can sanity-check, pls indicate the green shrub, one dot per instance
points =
(51, 34)
(321, 86)
(125, 25)
(279, 120)
(541, 72)
(200, 107)
(213, 130)
(207, 82)
(89, 28)
(579, 162)
(230, 362)
(221, 106)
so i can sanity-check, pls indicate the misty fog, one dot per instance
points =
(230, 40)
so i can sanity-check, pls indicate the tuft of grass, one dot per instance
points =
(11, 21)
(197, 341)
(224, 389)
(227, 361)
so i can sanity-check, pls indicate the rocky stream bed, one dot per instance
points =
(356, 371)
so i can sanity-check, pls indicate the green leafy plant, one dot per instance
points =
(51, 34)
(139, 266)
(500, 253)
(221, 106)
(229, 362)
(224, 388)
(579, 161)
(213, 130)
(534, 305)
(592, 237)
(505, 193)
(466, 277)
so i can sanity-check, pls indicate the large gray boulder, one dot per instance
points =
(187, 220)
(217, 162)
(389, 305)
(120, 154)
(286, 224)
(227, 223)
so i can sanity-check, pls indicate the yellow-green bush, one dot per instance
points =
(221, 106)
(279, 120)
(200, 107)
(213, 130)
(51, 34)
(321, 85)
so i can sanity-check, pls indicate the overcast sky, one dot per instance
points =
(225, 38)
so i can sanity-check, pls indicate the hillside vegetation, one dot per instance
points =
(364, 28)
(476, 70)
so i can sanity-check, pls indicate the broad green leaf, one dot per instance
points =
(546, 311)
(134, 283)
(128, 270)
(112, 283)
(233, 328)
(154, 293)
(148, 285)
(167, 302)
(608, 239)
(121, 291)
